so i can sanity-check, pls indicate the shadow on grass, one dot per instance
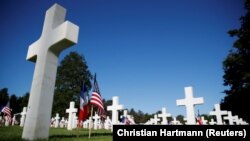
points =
(83, 135)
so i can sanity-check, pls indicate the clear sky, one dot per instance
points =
(144, 51)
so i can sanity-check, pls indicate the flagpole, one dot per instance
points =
(78, 130)
(90, 122)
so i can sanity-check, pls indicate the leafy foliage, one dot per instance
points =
(237, 70)
(4, 97)
(71, 74)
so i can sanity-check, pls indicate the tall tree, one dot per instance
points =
(14, 105)
(237, 69)
(71, 74)
(4, 97)
(23, 101)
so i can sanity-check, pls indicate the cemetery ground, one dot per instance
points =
(14, 133)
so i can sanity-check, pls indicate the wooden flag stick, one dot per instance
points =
(90, 122)
(78, 126)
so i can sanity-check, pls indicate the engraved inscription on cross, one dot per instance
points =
(56, 36)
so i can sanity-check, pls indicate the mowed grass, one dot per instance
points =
(14, 133)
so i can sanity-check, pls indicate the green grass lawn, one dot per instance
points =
(14, 133)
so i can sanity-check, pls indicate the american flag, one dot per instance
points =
(199, 120)
(6, 110)
(96, 100)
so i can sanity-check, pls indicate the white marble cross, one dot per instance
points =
(190, 102)
(86, 124)
(57, 118)
(164, 116)
(155, 120)
(96, 118)
(125, 113)
(56, 36)
(236, 120)
(175, 121)
(71, 112)
(230, 118)
(62, 122)
(204, 121)
(13, 120)
(23, 115)
(218, 113)
(107, 123)
(114, 108)
(212, 122)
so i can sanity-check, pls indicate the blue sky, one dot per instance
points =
(144, 51)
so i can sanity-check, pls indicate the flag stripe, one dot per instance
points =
(96, 99)
(7, 111)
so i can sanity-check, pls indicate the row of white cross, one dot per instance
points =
(189, 102)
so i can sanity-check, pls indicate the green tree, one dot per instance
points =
(23, 101)
(237, 70)
(4, 97)
(107, 103)
(71, 74)
(14, 105)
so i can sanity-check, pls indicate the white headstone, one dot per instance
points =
(175, 121)
(114, 108)
(190, 102)
(23, 116)
(7, 120)
(236, 120)
(230, 118)
(13, 120)
(185, 120)
(125, 113)
(62, 122)
(57, 119)
(107, 123)
(155, 120)
(218, 113)
(96, 119)
(164, 116)
(71, 112)
(212, 122)
(56, 36)
(204, 121)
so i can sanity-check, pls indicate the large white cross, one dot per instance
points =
(23, 115)
(218, 113)
(190, 102)
(230, 118)
(56, 36)
(114, 108)
(71, 112)
(164, 116)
